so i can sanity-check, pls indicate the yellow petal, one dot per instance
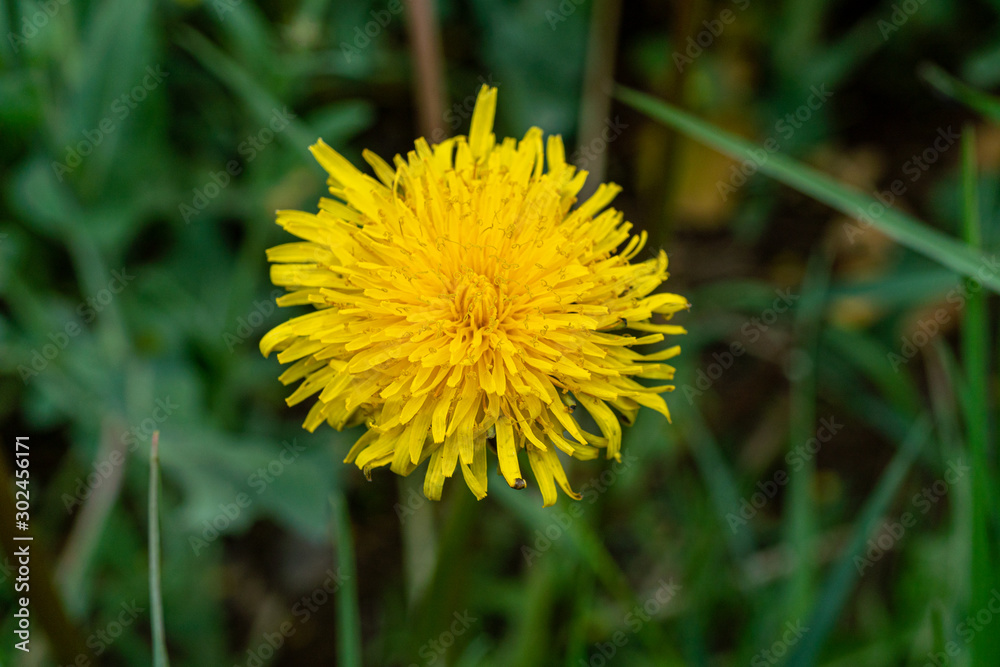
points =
(607, 422)
(507, 452)
(543, 476)
(481, 137)
(475, 475)
(341, 171)
(434, 481)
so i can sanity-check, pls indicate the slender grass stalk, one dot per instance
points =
(419, 538)
(840, 582)
(584, 545)
(946, 84)
(684, 17)
(348, 615)
(905, 229)
(583, 605)
(722, 487)
(598, 83)
(801, 526)
(448, 590)
(258, 99)
(426, 51)
(985, 647)
(160, 658)
(84, 538)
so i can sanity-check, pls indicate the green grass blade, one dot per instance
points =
(904, 228)
(723, 489)
(839, 583)
(586, 547)
(419, 540)
(583, 543)
(958, 90)
(261, 101)
(583, 605)
(985, 648)
(801, 517)
(160, 658)
(348, 615)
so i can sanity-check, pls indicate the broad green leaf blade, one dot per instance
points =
(905, 229)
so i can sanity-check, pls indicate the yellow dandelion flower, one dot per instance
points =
(461, 302)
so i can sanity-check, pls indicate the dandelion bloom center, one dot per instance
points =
(464, 301)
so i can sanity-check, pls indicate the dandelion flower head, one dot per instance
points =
(465, 304)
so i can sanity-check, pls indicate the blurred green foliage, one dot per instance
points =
(145, 147)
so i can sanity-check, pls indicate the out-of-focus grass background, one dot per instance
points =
(827, 493)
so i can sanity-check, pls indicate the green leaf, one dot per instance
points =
(985, 648)
(839, 583)
(160, 658)
(947, 85)
(348, 614)
(231, 482)
(259, 99)
(904, 228)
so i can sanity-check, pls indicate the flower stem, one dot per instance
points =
(349, 649)
(160, 658)
(428, 61)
